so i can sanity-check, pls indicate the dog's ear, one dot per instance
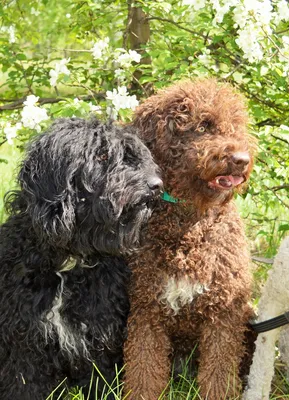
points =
(47, 186)
(165, 113)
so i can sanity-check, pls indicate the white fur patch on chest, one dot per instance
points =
(179, 292)
(57, 328)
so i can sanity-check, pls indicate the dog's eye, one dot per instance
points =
(103, 157)
(204, 126)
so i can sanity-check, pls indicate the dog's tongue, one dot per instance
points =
(226, 182)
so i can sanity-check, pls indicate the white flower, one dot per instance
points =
(11, 31)
(282, 11)
(12, 37)
(76, 100)
(111, 112)
(34, 12)
(120, 99)
(11, 131)
(31, 115)
(135, 56)
(60, 68)
(284, 54)
(127, 57)
(196, 4)
(248, 40)
(31, 100)
(220, 10)
(257, 11)
(94, 108)
(53, 77)
(99, 47)
(120, 74)
(264, 70)
(68, 15)
(205, 59)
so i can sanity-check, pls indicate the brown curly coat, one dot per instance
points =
(191, 281)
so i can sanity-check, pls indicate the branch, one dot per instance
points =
(282, 140)
(269, 122)
(48, 100)
(71, 50)
(281, 201)
(170, 21)
(272, 189)
(237, 60)
(280, 187)
(269, 104)
(4, 141)
(19, 103)
(2, 100)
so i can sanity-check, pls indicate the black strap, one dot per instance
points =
(272, 323)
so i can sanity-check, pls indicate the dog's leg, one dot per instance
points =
(220, 355)
(147, 353)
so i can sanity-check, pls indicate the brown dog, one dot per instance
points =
(191, 282)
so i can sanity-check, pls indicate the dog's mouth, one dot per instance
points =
(146, 202)
(226, 182)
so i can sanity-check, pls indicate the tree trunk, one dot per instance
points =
(139, 35)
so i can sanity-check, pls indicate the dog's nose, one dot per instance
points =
(241, 158)
(155, 184)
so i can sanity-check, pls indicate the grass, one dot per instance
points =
(182, 387)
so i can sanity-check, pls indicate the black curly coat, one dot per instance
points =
(85, 191)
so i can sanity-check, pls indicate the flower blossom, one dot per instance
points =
(248, 40)
(94, 108)
(127, 57)
(11, 131)
(12, 37)
(196, 4)
(11, 32)
(282, 13)
(60, 68)
(120, 74)
(34, 12)
(32, 115)
(120, 99)
(99, 48)
(253, 18)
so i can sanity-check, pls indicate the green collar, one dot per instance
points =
(167, 197)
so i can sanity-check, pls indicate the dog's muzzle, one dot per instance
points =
(156, 185)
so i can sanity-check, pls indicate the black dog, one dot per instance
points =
(86, 189)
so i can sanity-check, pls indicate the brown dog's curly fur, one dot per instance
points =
(191, 282)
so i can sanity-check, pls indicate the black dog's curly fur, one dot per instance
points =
(85, 191)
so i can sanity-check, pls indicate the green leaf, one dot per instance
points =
(283, 228)
(21, 56)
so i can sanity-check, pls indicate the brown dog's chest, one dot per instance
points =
(180, 292)
(187, 263)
